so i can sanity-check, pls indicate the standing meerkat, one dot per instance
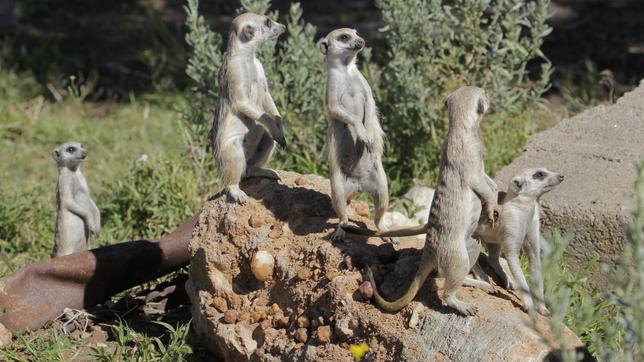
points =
(355, 138)
(518, 227)
(77, 216)
(247, 124)
(462, 187)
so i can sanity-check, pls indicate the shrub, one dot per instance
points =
(435, 47)
(149, 200)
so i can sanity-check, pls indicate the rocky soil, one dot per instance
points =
(315, 306)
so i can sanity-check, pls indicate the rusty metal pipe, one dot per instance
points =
(39, 292)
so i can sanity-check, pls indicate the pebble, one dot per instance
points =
(300, 181)
(361, 208)
(301, 335)
(262, 265)
(366, 290)
(5, 336)
(220, 304)
(255, 221)
(303, 321)
(324, 334)
(303, 273)
(276, 231)
(230, 317)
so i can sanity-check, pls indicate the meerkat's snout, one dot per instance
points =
(359, 43)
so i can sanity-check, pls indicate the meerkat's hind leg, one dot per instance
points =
(522, 283)
(339, 201)
(260, 157)
(232, 165)
(455, 274)
(493, 259)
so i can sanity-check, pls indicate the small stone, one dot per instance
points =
(262, 265)
(331, 274)
(265, 324)
(300, 181)
(275, 308)
(353, 324)
(366, 290)
(243, 316)
(5, 336)
(276, 231)
(324, 334)
(256, 316)
(303, 273)
(301, 335)
(303, 321)
(220, 304)
(282, 322)
(361, 208)
(348, 262)
(230, 317)
(255, 221)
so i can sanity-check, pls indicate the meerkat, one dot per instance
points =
(247, 123)
(456, 207)
(77, 217)
(517, 227)
(355, 137)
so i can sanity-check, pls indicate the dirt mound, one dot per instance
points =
(313, 307)
(596, 151)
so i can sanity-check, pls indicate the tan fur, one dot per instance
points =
(518, 228)
(247, 124)
(355, 137)
(456, 207)
(77, 217)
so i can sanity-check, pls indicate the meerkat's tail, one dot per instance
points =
(421, 275)
(409, 231)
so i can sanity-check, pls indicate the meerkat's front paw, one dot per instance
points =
(339, 235)
(236, 195)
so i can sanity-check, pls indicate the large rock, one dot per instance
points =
(596, 151)
(312, 309)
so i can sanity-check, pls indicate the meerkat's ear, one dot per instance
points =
(55, 154)
(482, 105)
(324, 45)
(247, 33)
(446, 102)
(517, 184)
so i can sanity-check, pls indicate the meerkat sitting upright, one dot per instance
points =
(355, 138)
(77, 216)
(247, 123)
(456, 207)
(518, 227)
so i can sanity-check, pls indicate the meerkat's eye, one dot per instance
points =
(268, 23)
(71, 149)
(538, 175)
(344, 37)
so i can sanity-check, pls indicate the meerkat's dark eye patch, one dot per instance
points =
(247, 33)
(268, 23)
(71, 149)
(539, 175)
(480, 109)
(343, 38)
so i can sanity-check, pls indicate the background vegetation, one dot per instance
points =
(150, 167)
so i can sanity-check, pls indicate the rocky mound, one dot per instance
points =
(314, 306)
(596, 151)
